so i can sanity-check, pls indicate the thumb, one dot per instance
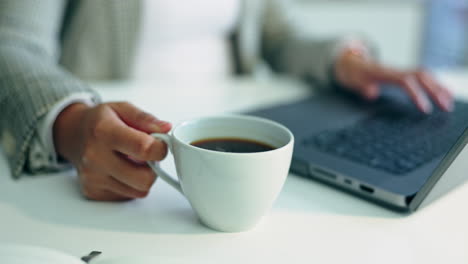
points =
(140, 120)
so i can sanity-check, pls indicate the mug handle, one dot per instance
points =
(158, 170)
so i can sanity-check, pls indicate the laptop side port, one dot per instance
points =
(366, 189)
(323, 173)
(348, 181)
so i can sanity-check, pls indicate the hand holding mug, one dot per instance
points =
(99, 140)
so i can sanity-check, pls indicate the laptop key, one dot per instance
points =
(395, 143)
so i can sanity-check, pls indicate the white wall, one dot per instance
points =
(395, 26)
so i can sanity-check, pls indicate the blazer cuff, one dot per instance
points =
(42, 154)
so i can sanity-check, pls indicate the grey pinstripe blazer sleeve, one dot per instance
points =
(290, 50)
(31, 80)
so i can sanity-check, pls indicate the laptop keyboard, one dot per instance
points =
(395, 142)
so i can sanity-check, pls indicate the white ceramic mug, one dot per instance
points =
(230, 192)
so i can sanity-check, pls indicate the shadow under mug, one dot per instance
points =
(230, 192)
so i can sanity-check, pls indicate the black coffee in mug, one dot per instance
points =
(235, 145)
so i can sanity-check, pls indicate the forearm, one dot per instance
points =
(313, 60)
(29, 87)
(31, 80)
(301, 58)
(289, 49)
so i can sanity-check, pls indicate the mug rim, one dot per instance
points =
(245, 117)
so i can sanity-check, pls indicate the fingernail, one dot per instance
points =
(427, 107)
(451, 107)
(448, 104)
(159, 125)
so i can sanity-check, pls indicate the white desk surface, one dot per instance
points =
(310, 222)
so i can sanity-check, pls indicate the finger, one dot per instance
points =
(136, 161)
(98, 194)
(108, 196)
(377, 72)
(406, 81)
(91, 184)
(138, 119)
(138, 177)
(441, 95)
(417, 94)
(370, 91)
(134, 143)
(114, 186)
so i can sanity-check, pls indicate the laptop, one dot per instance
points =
(385, 151)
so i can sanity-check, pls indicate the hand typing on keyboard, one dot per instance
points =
(356, 71)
